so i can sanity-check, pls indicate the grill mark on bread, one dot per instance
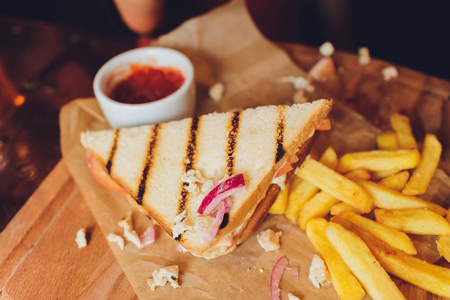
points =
(148, 164)
(190, 156)
(112, 152)
(231, 145)
(189, 165)
(280, 133)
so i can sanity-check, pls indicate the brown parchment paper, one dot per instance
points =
(224, 46)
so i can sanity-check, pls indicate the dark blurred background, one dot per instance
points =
(409, 33)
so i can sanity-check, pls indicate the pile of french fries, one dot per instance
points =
(372, 200)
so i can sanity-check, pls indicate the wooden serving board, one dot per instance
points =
(39, 258)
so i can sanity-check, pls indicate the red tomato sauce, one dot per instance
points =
(146, 84)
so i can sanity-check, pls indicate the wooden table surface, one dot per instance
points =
(38, 256)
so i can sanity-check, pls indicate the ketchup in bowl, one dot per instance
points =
(147, 84)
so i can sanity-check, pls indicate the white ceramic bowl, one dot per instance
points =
(178, 105)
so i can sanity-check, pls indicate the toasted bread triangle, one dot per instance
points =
(149, 162)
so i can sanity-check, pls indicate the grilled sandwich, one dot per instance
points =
(171, 168)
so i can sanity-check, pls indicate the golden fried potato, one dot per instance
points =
(379, 160)
(443, 243)
(385, 173)
(361, 173)
(362, 263)
(318, 206)
(387, 140)
(341, 207)
(304, 191)
(345, 283)
(392, 236)
(420, 179)
(396, 181)
(432, 278)
(279, 206)
(416, 221)
(298, 197)
(402, 128)
(390, 199)
(335, 184)
(329, 158)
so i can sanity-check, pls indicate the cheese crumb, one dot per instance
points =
(363, 56)
(326, 49)
(389, 73)
(280, 180)
(116, 239)
(217, 91)
(318, 273)
(81, 238)
(128, 230)
(180, 224)
(269, 240)
(292, 297)
(163, 276)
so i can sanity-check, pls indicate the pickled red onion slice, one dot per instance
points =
(223, 190)
(148, 236)
(275, 277)
(216, 223)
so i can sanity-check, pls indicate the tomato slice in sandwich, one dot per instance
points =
(101, 175)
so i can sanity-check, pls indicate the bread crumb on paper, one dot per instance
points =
(318, 273)
(299, 97)
(164, 275)
(269, 240)
(389, 73)
(326, 49)
(299, 83)
(81, 238)
(363, 56)
(292, 297)
(114, 238)
(217, 91)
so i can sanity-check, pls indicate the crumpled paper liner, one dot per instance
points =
(224, 46)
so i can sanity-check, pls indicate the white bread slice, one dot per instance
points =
(264, 139)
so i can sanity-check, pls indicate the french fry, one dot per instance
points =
(420, 179)
(385, 173)
(416, 221)
(305, 190)
(432, 278)
(298, 197)
(390, 199)
(393, 237)
(345, 283)
(341, 207)
(362, 263)
(294, 183)
(329, 158)
(443, 243)
(387, 140)
(279, 206)
(402, 128)
(396, 181)
(318, 206)
(379, 160)
(335, 184)
(361, 173)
